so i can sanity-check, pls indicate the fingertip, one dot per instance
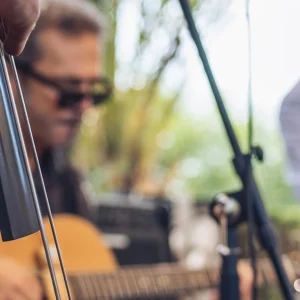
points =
(14, 47)
(16, 39)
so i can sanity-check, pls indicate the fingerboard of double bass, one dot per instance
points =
(155, 281)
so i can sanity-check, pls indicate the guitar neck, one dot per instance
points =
(161, 280)
(139, 282)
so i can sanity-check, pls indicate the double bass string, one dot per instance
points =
(40, 178)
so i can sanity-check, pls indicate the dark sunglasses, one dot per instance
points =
(101, 89)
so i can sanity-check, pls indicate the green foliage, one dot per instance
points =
(142, 141)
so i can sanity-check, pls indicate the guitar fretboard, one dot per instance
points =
(164, 280)
(140, 282)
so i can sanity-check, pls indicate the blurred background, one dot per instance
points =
(162, 135)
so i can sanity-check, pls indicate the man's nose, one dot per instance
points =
(84, 104)
(87, 101)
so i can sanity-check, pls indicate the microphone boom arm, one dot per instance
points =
(263, 227)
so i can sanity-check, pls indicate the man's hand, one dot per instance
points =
(246, 279)
(19, 17)
(16, 283)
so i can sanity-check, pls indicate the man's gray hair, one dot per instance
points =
(71, 17)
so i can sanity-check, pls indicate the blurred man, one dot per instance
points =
(61, 75)
(19, 18)
(290, 128)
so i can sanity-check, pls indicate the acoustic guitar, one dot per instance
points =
(92, 268)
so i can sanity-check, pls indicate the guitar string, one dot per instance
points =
(36, 203)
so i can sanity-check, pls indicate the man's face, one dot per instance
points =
(64, 59)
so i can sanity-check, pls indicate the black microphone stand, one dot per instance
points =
(263, 227)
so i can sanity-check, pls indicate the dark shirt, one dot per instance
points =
(63, 185)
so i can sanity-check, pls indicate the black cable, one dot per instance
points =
(250, 102)
(251, 223)
(248, 172)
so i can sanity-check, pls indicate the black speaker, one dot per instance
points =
(136, 228)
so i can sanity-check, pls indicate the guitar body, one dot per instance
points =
(92, 268)
(82, 247)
